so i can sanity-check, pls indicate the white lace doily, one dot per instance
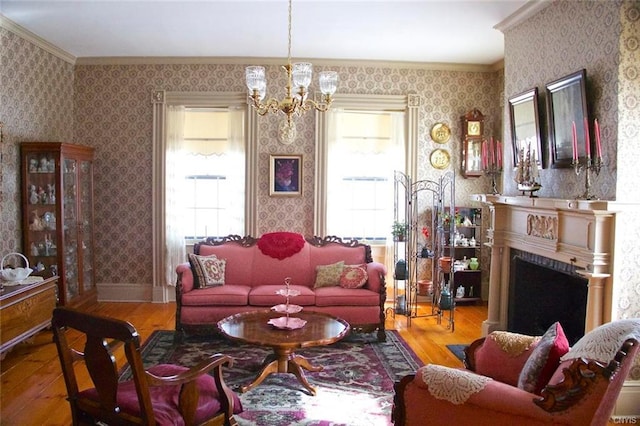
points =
(602, 343)
(450, 384)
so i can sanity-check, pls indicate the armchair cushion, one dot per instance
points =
(544, 359)
(503, 354)
(165, 398)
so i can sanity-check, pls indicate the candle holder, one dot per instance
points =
(493, 171)
(589, 166)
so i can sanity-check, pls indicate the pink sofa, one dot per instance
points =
(251, 279)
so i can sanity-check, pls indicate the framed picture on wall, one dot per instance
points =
(525, 126)
(285, 175)
(566, 107)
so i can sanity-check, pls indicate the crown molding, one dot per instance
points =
(234, 60)
(24, 33)
(531, 8)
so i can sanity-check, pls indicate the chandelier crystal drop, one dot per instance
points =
(296, 101)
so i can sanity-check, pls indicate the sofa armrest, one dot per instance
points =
(376, 272)
(185, 277)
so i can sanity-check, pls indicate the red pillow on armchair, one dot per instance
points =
(544, 360)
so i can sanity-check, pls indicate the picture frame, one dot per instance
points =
(567, 104)
(285, 175)
(525, 125)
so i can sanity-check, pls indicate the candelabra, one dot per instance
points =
(588, 166)
(493, 170)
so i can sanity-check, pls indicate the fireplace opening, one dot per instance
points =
(543, 291)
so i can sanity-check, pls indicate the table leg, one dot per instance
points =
(284, 361)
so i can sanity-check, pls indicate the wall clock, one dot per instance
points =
(440, 133)
(472, 124)
(440, 158)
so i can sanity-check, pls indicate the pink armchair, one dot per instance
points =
(500, 384)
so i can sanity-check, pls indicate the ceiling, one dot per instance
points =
(432, 31)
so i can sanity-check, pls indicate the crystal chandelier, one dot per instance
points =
(298, 79)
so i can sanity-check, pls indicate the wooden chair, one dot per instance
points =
(163, 394)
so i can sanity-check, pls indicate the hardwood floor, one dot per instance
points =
(33, 390)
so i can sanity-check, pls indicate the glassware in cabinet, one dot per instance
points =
(58, 216)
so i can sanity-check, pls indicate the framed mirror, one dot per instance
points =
(525, 125)
(566, 105)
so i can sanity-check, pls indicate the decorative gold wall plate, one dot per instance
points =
(440, 158)
(440, 133)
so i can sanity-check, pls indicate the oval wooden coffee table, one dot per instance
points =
(253, 328)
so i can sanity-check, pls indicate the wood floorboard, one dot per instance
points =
(32, 390)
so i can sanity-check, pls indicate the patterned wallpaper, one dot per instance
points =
(36, 103)
(113, 114)
(111, 110)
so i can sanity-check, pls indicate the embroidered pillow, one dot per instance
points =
(544, 360)
(353, 276)
(208, 271)
(328, 275)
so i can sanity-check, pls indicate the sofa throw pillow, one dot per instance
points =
(353, 276)
(208, 271)
(328, 275)
(544, 360)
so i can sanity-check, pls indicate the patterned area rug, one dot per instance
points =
(355, 387)
(458, 351)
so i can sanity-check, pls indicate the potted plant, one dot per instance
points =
(399, 230)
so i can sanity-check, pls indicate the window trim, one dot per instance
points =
(160, 100)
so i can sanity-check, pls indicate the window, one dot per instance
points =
(213, 170)
(364, 149)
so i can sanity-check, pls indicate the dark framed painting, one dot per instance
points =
(567, 109)
(285, 175)
(525, 125)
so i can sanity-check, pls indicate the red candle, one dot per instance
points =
(598, 145)
(499, 153)
(587, 140)
(492, 149)
(574, 140)
(483, 150)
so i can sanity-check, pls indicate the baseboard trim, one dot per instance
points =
(135, 293)
(628, 404)
(125, 292)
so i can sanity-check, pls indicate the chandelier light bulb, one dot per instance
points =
(328, 82)
(256, 78)
(302, 72)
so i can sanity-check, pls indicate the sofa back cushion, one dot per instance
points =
(267, 270)
(334, 252)
(239, 261)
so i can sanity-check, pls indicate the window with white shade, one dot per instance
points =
(364, 149)
(214, 173)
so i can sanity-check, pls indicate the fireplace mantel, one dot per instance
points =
(577, 232)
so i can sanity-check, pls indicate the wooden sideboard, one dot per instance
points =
(24, 310)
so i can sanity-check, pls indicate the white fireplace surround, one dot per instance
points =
(577, 232)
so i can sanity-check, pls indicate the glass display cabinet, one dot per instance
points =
(57, 216)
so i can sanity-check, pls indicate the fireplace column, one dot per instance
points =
(598, 307)
(495, 289)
